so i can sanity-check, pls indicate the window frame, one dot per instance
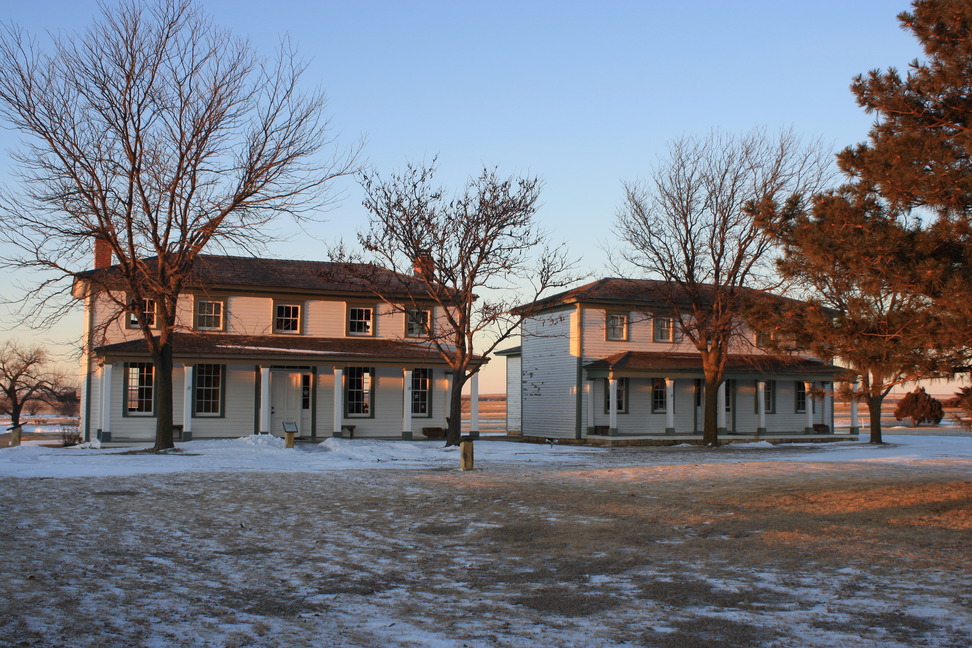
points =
(426, 326)
(656, 322)
(135, 387)
(371, 320)
(220, 387)
(659, 393)
(367, 396)
(196, 314)
(277, 318)
(131, 317)
(800, 389)
(625, 327)
(623, 394)
(427, 376)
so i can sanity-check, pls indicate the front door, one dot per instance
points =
(285, 401)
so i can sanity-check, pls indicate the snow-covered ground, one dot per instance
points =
(376, 543)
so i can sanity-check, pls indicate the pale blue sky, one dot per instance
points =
(582, 94)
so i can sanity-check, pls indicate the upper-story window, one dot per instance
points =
(664, 329)
(148, 310)
(617, 326)
(210, 314)
(417, 323)
(361, 320)
(286, 318)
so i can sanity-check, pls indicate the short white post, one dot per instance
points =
(669, 406)
(761, 406)
(264, 400)
(855, 423)
(407, 404)
(338, 401)
(187, 403)
(808, 390)
(106, 390)
(613, 406)
(474, 405)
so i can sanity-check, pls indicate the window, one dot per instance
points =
(617, 326)
(209, 315)
(729, 386)
(148, 308)
(286, 318)
(659, 395)
(359, 387)
(622, 401)
(140, 388)
(801, 397)
(421, 392)
(417, 323)
(305, 391)
(769, 389)
(208, 390)
(360, 320)
(664, 329)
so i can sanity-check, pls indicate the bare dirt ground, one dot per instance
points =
(649, 547)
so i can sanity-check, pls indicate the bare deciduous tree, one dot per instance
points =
(152, 134)
(475, 257)
(25, 377)
(691, 225)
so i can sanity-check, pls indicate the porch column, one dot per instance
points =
(855, 424)
(808, 387)
(474, 405)
(336, 430)
(264, 400)
(104, 433)
(721, 408)
(187, 403)
(407, 405)
(669, 406)
(590, 406)
(613, 406)
(761, 406)
(828, 406)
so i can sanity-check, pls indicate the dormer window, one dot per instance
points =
(148, 312)
(417, 323)
(286, 318)
(361, 320)
(617, 326)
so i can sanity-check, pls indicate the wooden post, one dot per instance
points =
(466, 453)
(290, 438)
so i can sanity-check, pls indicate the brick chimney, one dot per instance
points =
(422, 265)
(102, 253)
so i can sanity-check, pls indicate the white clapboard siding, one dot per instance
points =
(549, 377)
(514, 393)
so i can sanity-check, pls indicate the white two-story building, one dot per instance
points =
(261, 342)
(606, 360)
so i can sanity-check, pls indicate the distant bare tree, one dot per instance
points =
(25, 377)
(476, 256)
(152, 135)
(691, 225)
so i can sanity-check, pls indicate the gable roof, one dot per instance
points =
(215, 272)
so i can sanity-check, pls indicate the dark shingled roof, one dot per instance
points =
(257, 347)
(214, 272)
(649, 362)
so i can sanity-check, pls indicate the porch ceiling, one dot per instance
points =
(739, 366)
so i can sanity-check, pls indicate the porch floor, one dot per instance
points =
(679, 438)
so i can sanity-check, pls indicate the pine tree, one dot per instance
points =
(920, 408)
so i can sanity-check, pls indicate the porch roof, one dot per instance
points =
(257, 348)
(738, 366)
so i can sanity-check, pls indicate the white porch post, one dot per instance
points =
(407, 404)
(721, 407)
(104, 434)
(187, 403)
(828, 406)
(613, 406)
(590, 406)
(338, 404)
(264, 400)
(808, 389)
(855, 424)
(474, 405)
(761, 406)
(669, 406)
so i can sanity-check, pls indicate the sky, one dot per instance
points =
(584, 95)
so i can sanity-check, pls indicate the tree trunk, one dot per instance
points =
(454, 429)
(163, 395)
(710, 411)
(874, 404)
